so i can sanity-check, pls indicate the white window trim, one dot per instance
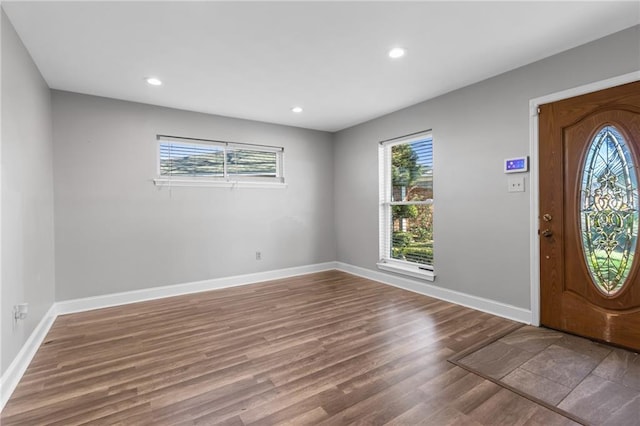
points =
(277, 182)
(204, 182)
(406, 268)
(424, 272)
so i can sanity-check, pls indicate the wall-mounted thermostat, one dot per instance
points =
(516, 165)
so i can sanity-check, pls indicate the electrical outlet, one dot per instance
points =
(258, 255)
(20, 311)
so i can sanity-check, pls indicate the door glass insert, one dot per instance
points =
(609, 210)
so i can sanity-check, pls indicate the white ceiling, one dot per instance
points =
(256, 60)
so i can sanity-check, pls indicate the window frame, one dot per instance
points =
(226, 180)
(386, 262)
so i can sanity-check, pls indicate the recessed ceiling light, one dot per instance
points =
(397, 52)
(296, 109)
(154, 81)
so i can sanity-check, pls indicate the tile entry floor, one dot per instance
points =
(594, 383)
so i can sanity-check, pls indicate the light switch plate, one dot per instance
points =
(515, 183)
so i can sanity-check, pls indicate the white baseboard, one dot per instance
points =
(478, 303)
(18, 366)
(117, 299)
(13, 374)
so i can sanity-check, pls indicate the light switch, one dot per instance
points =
(515, 183)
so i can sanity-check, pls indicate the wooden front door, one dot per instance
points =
(589, 246)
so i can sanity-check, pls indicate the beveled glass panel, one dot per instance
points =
(609, 210)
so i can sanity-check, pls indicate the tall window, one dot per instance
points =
(196, 161)
(406, 205)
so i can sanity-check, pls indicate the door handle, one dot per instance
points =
(547, 233)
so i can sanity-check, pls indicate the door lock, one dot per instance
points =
(547, 217)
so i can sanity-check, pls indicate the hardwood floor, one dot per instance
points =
(326, 348)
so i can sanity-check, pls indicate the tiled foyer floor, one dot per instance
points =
(594, 383)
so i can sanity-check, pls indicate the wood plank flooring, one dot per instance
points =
(327, 348)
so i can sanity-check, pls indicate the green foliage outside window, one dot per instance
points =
(412, 238)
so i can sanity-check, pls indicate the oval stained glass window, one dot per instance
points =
(609, 210)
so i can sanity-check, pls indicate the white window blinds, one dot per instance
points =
(192, 160)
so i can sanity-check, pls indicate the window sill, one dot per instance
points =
(217, 183)
(412, 271)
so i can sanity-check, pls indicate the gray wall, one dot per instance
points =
(116, 231)
(481, 232)
(27, 193)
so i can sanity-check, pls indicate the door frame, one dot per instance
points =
(534, 194)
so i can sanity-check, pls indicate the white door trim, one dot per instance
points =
(534, 194)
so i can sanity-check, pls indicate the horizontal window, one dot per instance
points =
(197, 162)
